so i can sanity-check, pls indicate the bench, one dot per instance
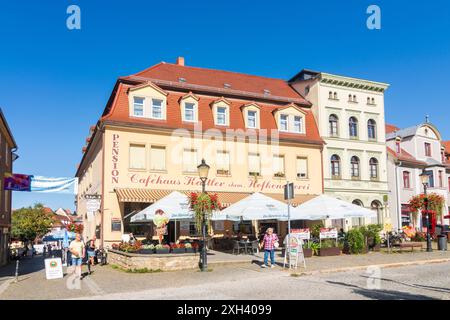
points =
(411, 245)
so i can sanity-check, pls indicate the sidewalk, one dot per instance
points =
(105, 279)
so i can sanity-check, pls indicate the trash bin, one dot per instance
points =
(442, 242)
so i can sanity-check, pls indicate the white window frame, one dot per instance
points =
(143, 107)
(301, 124)
(137, 145)
(165, 157)
(297, 167)
(152, 107)
(194, 111)
(255, 117)
(225, 114)
(287, 122)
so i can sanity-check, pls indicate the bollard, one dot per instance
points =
(17, 271)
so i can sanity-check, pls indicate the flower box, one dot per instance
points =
(147, 251)
(326, 252)
(190, 250)
(162, 251)
(178, 250)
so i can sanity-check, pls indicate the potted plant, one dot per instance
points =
(373, 237)
(189, 248)
(310, 248)
(147, 249)
(328, 247)
(355, 242)
(162, 248)
(195, 246)
(177, 248)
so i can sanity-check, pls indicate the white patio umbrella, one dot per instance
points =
(175, 205)
(254, 207)
(326, 207)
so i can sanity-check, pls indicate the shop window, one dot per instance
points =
(278, 166)
(302, 168)
(190, 161)
(137, 156)
(158, 158)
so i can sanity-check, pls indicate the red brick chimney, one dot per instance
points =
(180, 61)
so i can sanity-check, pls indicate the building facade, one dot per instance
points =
(412, 151)
(351, 120)
(256, 134)
(7, 147)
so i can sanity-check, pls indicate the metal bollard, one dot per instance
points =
(17, 271)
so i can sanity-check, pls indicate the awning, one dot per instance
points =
(225, 198)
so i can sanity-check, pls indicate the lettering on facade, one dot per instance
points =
(115, 159)
(215, 184)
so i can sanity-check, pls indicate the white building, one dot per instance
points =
(410, 151)
(350, 116)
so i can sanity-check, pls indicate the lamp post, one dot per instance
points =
(203, 170)
(425, 179)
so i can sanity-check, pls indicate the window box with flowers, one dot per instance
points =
(279, 175)
(147, 249)
(189, 248)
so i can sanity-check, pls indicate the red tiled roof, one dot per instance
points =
(405, 156)
(217, 79)
(446, 145)
(391, 128)
(120, 112)
(47, 210)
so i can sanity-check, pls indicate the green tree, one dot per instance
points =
(31, 222)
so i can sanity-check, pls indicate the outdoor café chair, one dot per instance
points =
(254, 247)
(238, 247)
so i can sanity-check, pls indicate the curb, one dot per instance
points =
(385, 265)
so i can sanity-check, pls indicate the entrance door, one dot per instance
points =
(171, 231)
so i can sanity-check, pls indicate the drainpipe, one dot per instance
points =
(397, 188)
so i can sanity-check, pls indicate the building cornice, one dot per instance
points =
(352, 83)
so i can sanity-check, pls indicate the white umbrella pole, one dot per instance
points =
(175, 222)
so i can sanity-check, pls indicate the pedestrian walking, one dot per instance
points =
(76, 247)
(90, 250)
(269, 243)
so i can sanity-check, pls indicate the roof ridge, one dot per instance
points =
(233, 72)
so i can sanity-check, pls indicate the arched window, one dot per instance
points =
(373, 100)
(371, 129)
(350, 97)
(333, 125)
(330, 95)
(377, 207)
(354, 98)
(353, 127)
(368, 100)
(354, 167)
(335, 166)
(335, 95)
(373, 167)
(356, 222)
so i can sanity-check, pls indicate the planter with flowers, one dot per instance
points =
(435, 207)
(147, 249)
(189, 248)
(178, 248)
(75, 227)
(162, 248)
(195, 246)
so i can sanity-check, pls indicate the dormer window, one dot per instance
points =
(251, 119)
(138, 106)
(157, 106)
(221, 116)
(189, 107)
(189, 111)
(298, 127)
(284, 120)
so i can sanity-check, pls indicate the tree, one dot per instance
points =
(31, 222)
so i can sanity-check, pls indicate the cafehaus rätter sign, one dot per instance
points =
(216, 183)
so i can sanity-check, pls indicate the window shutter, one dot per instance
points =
(137, 157)
(158, 158)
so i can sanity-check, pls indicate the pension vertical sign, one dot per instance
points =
(115, 159)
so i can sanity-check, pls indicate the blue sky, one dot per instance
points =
(55, 82)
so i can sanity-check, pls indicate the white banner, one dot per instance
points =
(57, 185)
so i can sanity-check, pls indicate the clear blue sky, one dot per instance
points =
(54, 82)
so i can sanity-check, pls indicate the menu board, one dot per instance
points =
(328, 233)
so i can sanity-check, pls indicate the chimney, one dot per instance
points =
(180, 61)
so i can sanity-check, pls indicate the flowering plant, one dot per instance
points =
(435, 203)
(162, 246)
(177, 246)
(188, 245)
(203, 204)
(75, 227)
(409, 231)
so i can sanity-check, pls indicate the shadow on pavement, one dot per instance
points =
(417, 286)
(383, 294)
(27, 265)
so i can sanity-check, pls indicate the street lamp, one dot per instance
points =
(425, 179)
(203, 170)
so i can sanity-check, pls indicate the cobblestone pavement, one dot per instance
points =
(245, 280)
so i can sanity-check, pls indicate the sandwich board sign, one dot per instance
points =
(53, 268)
